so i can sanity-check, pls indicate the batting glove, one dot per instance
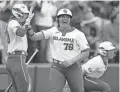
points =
(30, 16)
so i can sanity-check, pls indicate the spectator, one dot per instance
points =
(5, 9)
(101, 8)
(95, 25)
(44, 20)
(3, 39)
(3, 42)
(111, 33)
(78, 14)
(104, 29)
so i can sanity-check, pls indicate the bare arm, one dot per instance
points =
(81, 56)
(21, 31)
(106, 35)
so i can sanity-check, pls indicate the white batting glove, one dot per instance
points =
(30, 16)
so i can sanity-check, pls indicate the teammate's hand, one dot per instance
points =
(30, 16)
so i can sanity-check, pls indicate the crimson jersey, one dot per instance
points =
(68, 46)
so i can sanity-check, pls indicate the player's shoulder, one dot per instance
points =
(96, 59)
(53, 29)
(79, 33)
(13, 21)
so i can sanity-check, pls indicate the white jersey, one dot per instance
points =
(17, 43)
(68, 46)
(95, 67)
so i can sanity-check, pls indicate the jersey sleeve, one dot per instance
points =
(89, 66)
(13, 25)
(83, 43)
(48, 33)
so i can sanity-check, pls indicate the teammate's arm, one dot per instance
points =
(21, 31)
(44, 34)
(36, 36)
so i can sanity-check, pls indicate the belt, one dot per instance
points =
(18, 53)
(57, 61)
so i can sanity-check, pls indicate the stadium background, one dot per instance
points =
(105, 10)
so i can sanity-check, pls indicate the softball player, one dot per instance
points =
(69, 46)
(95, 68)
(17, 47)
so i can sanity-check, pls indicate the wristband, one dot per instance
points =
(29, 33)
(28, 28)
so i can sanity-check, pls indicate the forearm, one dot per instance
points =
(81, 56)
(96, 39)
(35, 36)
(91, 20)
(21, 31)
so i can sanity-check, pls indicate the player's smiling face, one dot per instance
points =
(64, 19)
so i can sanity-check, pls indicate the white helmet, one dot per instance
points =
(18, 9)
(64, 12)
(104, 47)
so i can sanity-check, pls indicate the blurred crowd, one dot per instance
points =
(99, 20)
